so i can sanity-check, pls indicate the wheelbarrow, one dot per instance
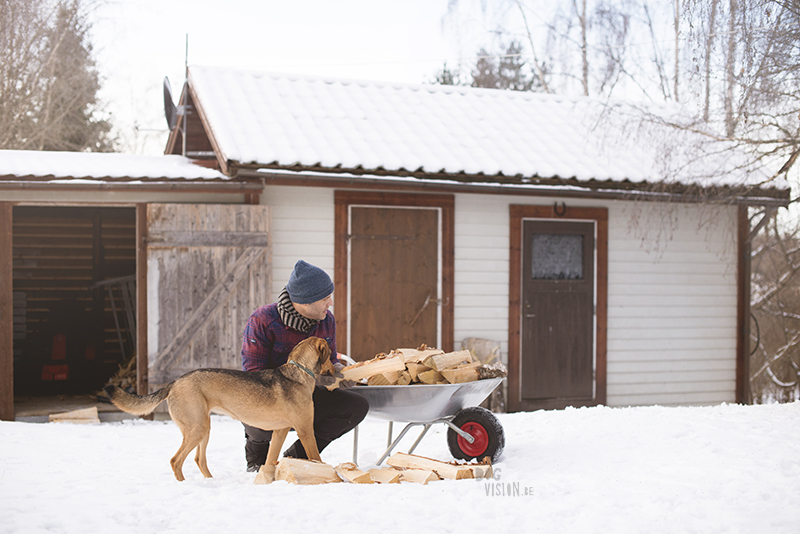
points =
(473, 432)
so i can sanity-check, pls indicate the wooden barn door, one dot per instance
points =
(208, 268)
(393, 272)
(557, 311)
(394, 279)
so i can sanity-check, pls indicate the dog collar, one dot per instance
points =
(306, 369)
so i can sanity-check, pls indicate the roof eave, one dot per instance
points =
(589, 188)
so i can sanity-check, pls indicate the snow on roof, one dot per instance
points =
(105, 166)
(294, 121)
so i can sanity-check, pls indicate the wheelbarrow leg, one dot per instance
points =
(397, 440)
(355, 445)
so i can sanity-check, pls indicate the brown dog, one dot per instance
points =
(276, 399)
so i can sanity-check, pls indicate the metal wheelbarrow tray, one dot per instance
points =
(474, 432)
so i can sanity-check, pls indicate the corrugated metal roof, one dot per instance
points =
(299, 122)
(40, 165)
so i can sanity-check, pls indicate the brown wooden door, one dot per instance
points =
(208, 268)
(557, 364)
(394, 279)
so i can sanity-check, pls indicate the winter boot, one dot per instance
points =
(255, 452)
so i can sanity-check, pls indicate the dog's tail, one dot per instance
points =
(136, 404)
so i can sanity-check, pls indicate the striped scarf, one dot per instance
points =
(292, 317)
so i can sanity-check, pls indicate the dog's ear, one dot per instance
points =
(323, 348)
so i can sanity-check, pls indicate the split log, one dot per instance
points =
(385, 475)
(418, 355)
(265, 475)
(414, 368)
(82, 416)
(378, 364)
(443, 469)
(305, 472)
(418, 476)
(493, 370)
(403, 378)
(462, 373)
(371, 368)
(430, 377)
(440, 362)
(384, 379)
(351, 473)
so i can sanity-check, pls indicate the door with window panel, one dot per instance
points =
(558, 292)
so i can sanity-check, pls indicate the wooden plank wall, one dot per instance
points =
(58, 254)
(212, 267)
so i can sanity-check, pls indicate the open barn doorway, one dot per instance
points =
(73, 287)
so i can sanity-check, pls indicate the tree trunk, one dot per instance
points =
(730, 65)
(712, 22)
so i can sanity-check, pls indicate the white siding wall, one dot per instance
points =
(671, 305)
(481, 269)
(302, 229)
(671, 285)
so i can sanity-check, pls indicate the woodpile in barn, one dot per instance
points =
(422, 365)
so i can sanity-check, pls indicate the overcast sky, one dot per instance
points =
(139, 42)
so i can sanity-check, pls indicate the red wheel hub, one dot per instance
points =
(481, 443)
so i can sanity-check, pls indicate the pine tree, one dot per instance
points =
(48, 79)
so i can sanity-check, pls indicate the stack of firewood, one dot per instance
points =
(124, 378)
(402, 468)
(422, 365)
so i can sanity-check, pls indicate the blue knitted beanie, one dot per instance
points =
(308, 283)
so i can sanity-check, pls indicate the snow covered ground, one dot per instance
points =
(634, 470)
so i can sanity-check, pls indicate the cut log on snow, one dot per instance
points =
(443, 469)
(431, 377)
(461, 374)
(265, 475)
(350, 472)
(449, 360)
(82, 416)
(418, 476)
(385, 475)
(305, 472)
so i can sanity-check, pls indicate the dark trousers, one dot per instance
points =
(335, 413)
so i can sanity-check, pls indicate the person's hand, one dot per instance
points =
(344, 384)
(324, 381)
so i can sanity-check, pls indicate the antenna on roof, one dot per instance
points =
(170, 111)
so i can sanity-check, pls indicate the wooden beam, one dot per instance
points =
(142, 382)
(6, 314)
(743, 394)
(167, 239)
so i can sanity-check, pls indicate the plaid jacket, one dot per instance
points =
(267, 342)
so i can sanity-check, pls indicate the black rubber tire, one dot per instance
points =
(484, 422)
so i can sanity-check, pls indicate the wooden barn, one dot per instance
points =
(603, 253)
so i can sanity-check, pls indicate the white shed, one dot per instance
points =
(592, 243)
(606, 251)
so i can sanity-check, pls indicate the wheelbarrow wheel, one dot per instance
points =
(482, 425)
